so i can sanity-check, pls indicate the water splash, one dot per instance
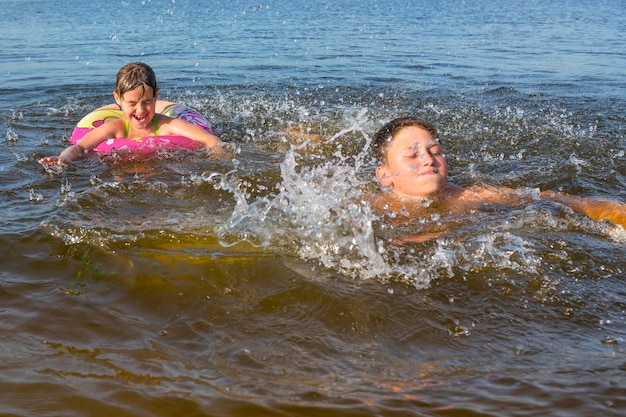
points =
(11, 135)
(35, 196)
(317, 211)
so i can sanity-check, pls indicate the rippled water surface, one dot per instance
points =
(263, 282)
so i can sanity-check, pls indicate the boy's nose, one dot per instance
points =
(426, 158)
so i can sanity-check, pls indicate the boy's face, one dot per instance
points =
(138, 105)
(416, 166)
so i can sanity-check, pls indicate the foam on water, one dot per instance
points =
(308, 198)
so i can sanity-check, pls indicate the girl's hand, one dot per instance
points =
(67, 156)
(51, 160)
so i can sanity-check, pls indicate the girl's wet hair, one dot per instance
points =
(384, 136)
(133, 75)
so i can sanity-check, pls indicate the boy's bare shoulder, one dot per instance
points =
(481, 194)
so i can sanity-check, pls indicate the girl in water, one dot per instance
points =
(136, 93)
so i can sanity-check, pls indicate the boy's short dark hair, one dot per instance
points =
(384, 136)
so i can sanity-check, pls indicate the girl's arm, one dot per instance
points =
(93, 138)
(170, 126)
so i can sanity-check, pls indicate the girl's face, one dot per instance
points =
(138, 105)
(416, 166)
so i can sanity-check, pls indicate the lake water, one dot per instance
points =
(263, 283)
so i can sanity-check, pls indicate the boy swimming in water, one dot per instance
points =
(414, 169)
(136, 93)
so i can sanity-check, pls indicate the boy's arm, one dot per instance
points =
(596, 208)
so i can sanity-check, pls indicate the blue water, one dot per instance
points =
(263, 283)
(452, 44)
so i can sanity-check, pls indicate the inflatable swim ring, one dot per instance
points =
(142, 145)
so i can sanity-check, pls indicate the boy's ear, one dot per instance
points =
(382, 173)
